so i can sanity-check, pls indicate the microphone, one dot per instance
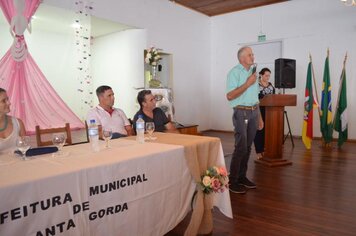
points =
(254, 68)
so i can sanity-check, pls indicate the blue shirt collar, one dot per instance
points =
(241, 67)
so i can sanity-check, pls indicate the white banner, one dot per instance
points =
(132, 190)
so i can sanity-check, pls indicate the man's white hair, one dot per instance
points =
(241, 51)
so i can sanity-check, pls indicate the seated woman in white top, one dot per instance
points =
(10, 127)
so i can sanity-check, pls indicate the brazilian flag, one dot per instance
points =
(326, 125)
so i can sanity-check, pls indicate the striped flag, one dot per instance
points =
(307, 133)
(340, 119)
(326, 126)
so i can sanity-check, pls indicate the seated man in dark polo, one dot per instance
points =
(151, 113)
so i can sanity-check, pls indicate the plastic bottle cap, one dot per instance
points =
(140, 116)
(92, 121)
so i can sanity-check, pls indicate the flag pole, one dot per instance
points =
(342, 74)
(340, 83)
(315, 89)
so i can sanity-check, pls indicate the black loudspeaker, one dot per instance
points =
(284, 73)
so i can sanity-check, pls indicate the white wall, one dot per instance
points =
(177, 30)
(117, 62)
(56, 56)
(204, 49)
(5, 42)
(304, 26)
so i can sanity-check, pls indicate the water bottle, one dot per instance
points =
(93, 135)
(140, 130)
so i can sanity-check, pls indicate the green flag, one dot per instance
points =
(326, 126)
(340, 119)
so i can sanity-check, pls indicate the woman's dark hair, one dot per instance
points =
(264, 70)
(2, 90)
(141, 96)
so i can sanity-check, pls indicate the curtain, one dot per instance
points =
(32, 98)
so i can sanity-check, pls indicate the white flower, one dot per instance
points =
(206, 181)
(224, 181)
(152, 56)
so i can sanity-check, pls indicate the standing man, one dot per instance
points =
(107, 116)
(242, 93)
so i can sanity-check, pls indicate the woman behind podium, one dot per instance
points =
(265, 88)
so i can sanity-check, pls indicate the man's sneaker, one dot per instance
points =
(237, 188)
(247, 183)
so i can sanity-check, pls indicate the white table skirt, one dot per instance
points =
(129, 189)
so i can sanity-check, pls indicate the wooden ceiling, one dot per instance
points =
(218, 7)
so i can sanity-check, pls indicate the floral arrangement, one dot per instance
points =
(152, 56)
(215, 180)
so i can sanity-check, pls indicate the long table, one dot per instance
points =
(128, 189)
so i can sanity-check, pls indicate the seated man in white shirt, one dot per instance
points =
(108, 117)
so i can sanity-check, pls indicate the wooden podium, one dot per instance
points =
(274, 127)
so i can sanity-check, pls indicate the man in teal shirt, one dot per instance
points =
(242, 93)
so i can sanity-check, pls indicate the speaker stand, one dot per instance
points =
(289, 130)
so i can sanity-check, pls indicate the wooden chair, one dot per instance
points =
(87, 131)
(39, 132)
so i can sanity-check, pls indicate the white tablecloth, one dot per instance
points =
(129, 189)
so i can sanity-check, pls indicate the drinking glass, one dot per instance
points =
(107, 135)
(150, 128)
(58, 140)
(23, 144)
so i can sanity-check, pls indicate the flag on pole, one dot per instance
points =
(326, 126)
(340, 119)
(307, 133)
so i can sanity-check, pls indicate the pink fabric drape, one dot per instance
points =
(8, 9)
(32, 98)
